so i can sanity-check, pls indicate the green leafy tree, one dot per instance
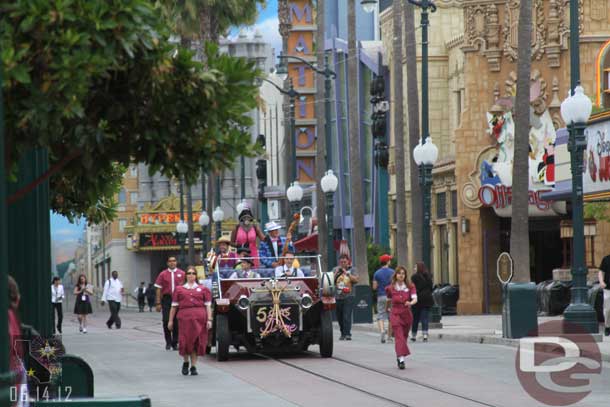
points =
(100, 86)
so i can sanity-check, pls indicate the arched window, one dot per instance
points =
(603, 76)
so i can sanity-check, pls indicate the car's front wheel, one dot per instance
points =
(223, 337)
(326, 334)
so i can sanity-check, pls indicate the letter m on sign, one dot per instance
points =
(297, 13)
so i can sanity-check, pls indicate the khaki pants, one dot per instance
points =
(607, 308)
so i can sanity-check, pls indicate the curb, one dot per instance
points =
(471, 338)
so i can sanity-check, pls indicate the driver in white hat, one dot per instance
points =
(270, 249)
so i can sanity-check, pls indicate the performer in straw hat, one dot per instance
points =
(271, 247)
(226, 258)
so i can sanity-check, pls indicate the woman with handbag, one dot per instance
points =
(402, 297)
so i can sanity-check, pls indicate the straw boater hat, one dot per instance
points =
(223, 239)
(269, 226)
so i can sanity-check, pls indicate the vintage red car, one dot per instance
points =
(270, 313)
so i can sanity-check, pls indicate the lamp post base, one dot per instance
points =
(580, 315)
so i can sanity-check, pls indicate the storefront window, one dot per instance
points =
(454, 204)
(441, 205)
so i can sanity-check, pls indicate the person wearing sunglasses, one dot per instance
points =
(195, 318)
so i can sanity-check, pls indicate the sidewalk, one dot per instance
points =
(484, 329)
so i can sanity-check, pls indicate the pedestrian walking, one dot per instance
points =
(402, 296)
(140, 293)
(166, 284)
(345, 277)
(422, 280)
(82, 306)
(604, 283)
(57, 297)
(195, 319)
(150, 296)
(113, 293)
(381, 279)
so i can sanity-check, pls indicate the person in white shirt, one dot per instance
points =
(57, 297)
(288, 270)
(113, 292)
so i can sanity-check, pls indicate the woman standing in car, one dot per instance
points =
(402, 296)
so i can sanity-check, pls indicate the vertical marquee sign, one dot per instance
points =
(301, 44)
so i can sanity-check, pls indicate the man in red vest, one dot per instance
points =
(166, 283)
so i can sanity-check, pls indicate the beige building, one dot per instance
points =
(473, 54)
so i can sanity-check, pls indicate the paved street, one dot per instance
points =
(132, 361)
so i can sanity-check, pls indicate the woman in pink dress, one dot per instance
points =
(246, 232)
(402, 296)
(194, 318)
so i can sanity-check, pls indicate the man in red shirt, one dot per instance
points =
(166, 283)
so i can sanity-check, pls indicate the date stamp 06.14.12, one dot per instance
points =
(21, 394)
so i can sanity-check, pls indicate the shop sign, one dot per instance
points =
(596, 177)
(162, 218)
(164, 239)
(500, 196)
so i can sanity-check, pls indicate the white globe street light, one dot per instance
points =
(576, 108)
(182, 227)
(329, 182)
(417, 153)
(218, 215)
(294, 193)
(429, 152)
(368, 5)
(204, 219)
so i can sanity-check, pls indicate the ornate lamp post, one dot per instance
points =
(425, 155)
(218, 216)
(329, 184)
(181, 231)
(204, 221)
(575, 111)
(294, 193)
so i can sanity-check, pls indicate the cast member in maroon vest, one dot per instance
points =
(166, 283)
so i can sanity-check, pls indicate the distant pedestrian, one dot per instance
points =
(141, 296)
(345, 277)
(381, 279)
(150, 296)
(166, 284)
(113, 293)
(82, 306)
(422, 280)
(604, 283)
(57, 297)
(195, 318)
(402, 297)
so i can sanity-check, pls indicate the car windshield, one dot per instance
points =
(262, 268)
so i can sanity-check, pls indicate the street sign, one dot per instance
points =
(504, 268)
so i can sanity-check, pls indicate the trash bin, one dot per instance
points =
(596, 300)
(363, 305)
(519, 310)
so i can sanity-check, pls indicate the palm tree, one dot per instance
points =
(357, 197)
(417, 211)
(519, 236)
(399, 138)
(321, 134)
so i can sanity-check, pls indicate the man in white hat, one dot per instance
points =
(270, 249)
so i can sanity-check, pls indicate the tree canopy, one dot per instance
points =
(99, 84)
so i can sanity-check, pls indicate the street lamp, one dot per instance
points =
(294, 193)
(181, 230)
(369, 5)
(329, 184)
(218, 216)
(575, 111)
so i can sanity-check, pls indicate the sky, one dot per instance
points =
(65, 235)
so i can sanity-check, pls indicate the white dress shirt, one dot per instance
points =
(280, 271)
(57, 293)
(113, 290)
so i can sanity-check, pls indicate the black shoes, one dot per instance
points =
(185, 368)
(413, 339)
(194, 371)
(401, 365)
(342, 338)
(348, 337)
(607, 331)
(109, 325)
(167, 347)
(175, 347)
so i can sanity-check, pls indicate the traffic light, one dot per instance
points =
(379, 124)
(377, 87)
(261, 169)
(382, 155)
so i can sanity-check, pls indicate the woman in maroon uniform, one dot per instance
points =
(195, 318)
(402, 296)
